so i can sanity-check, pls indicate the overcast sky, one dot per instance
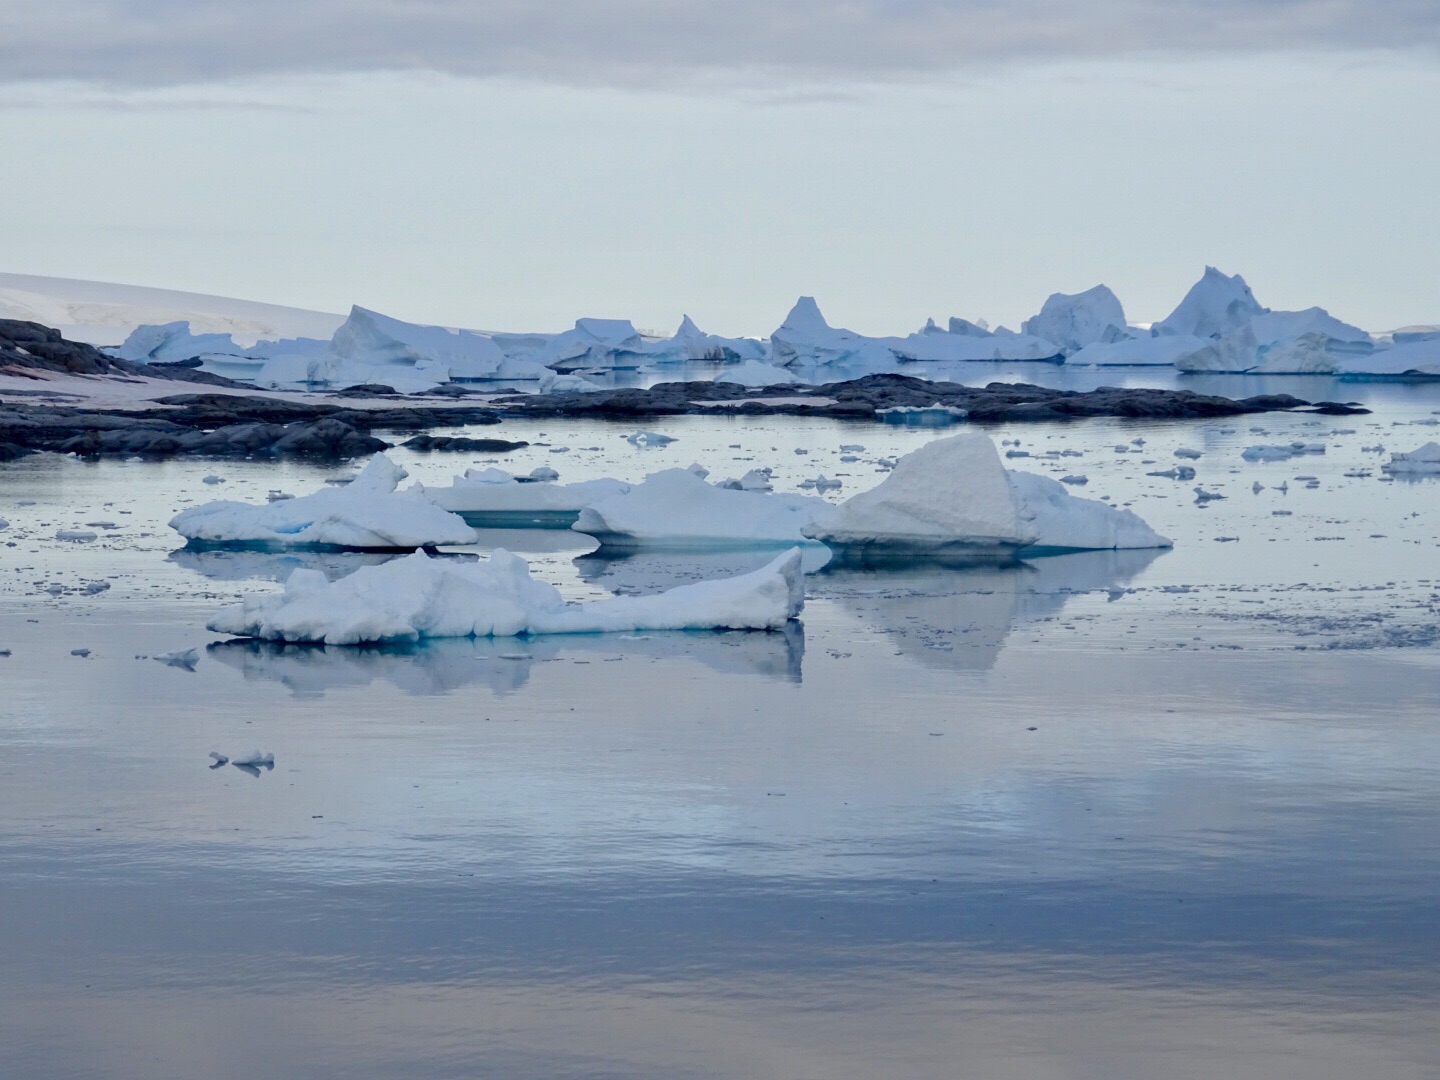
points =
(516, 164)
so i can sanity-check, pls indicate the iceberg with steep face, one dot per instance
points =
(805, 337)
(1074, 320)
(692, 343)
(1063, 522)
(493, 498)
(1215, 305)
(421, 597)
(366, 514)
(1311, 342)
(678, 510)
(953, 497)
(950, 497)
(372, 340)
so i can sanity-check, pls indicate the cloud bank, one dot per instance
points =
(674, 43)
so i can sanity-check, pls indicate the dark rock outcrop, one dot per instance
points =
(461, 444)
(31, 346)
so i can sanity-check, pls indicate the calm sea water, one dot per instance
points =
(1115, 815)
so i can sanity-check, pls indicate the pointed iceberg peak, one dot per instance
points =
(1215, 305)
(688, 329)
(1074, 320)
(805, 315)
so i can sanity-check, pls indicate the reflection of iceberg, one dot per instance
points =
(959, 619)
(222, 564)
(440, 665)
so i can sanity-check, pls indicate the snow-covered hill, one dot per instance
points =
(103, 313)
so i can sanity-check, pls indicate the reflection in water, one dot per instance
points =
(440, 665)
(949, 617)
(239, 565)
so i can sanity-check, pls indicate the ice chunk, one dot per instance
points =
(1425, 460)
(1187, 453)
(648, 438)
(677, 510)
(254, 759)
(365, 514)
(76, 536)
(1073, 321)
(422, 597)
(1269, 453)
(1064, 522)
(952, 496)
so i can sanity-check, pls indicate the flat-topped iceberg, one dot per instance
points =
(372, 340)
(1416, 359)
(1159, 351)
(678, 510)
(493, 498)
(970, 343)
(366, 514)
(422, 597)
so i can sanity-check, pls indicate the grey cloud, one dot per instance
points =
(676, 43)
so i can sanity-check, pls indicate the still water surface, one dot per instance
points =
(1115, 815)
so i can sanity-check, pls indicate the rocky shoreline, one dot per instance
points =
(255, 424)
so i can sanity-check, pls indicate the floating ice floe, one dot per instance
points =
(254, 759)
(421, 597)
(181, 658)
(648, 438)
(1424, 461)
(677, 510)
(366, 514)
(493, 498)
(1266, 452)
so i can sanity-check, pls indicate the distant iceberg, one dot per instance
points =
(1215, 305)
(1073, 321)
(422, 597)
(493, 498)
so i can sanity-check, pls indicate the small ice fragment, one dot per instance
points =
(80, 652)
(218, 758)
(278, 496)
(1187, 453)
(648, 438)
(254, 758)
(96, 587)
(1201, 495)
(213, 479)
(1075, 478)
(77, 536)
(543, 473)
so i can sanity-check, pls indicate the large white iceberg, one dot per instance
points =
(1073, 321)
(692, 343)
(366, 514)
(423, 597)
(493, 498)
(1309, 342)
(1063, 522)
(1215, 305)
(678, 510)
(953, 497)
(805, 337)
